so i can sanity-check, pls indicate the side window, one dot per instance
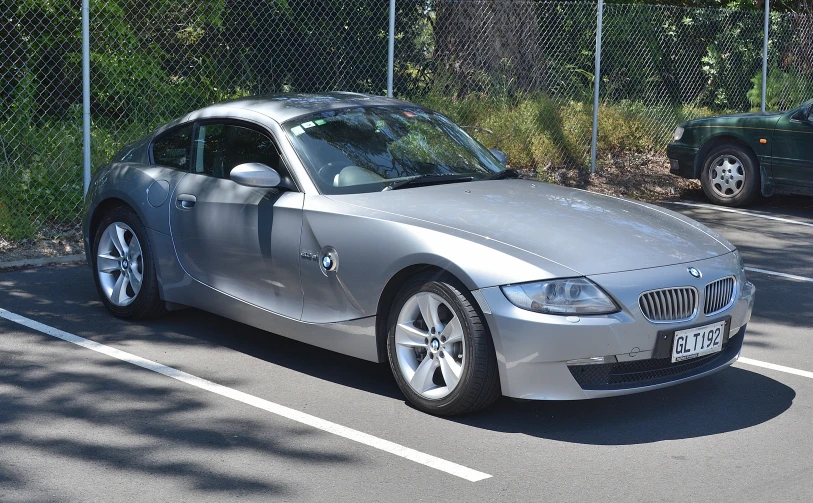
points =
(210, 150)
(221, 147)
(172, 148)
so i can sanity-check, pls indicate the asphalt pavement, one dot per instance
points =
(80, 425)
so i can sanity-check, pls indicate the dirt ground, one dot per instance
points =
(644, 177)
(52, 242)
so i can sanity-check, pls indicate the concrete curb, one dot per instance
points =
(39, 262)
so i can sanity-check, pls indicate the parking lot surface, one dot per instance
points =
(77, 424)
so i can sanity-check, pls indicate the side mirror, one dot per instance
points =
(255, 174)
(500, 155)
(807, 115)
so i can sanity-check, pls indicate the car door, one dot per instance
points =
(793, 153)
(242, 241)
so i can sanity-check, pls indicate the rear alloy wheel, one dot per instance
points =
(123, 266)
(440, 350)
(120, 264)
(730, 176)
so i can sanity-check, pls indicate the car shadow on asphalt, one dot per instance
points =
(297, 356)
(730, 400)
(788, 206)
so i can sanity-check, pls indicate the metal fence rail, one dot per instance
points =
(520, 73)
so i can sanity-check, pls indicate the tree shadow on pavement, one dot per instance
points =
(112, 416)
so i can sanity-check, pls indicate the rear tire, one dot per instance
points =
(445, 365)
(124, 268)
(730, 176)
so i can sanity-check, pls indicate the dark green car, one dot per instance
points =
(738, 156)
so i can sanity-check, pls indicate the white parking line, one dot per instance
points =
(772, 366)
(748, 213)
(280, 410)
(780, 274)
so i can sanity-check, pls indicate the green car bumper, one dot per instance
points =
(682, 160)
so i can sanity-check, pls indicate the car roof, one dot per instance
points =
(283, 107)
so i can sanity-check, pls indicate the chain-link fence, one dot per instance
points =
(40, 119)
(522, 73)
(518, 73)
(790, 62)
(664, 65)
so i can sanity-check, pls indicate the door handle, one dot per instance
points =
(186, 201)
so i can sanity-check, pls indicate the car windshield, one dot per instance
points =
(374, 148)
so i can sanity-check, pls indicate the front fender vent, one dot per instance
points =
(669, 304)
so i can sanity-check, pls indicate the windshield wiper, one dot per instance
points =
(420, 180)
(502, 175)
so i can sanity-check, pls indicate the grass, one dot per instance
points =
(539, 133)
(42, 176)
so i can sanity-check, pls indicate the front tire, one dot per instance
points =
(730, 176)
(124, 268)
(440, 350)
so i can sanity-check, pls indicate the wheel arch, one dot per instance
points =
(717, 141)
(390, 291)
(104, 206)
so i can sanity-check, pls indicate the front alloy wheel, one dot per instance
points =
(440, 349)
(727, 176)
(730, 176)
(430, 345)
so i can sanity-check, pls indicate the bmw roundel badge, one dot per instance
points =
(694, 272)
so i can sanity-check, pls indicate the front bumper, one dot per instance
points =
(533, 349)
(682, 160)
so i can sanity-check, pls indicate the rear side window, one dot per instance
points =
(173, 148)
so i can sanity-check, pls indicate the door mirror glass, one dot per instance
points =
(255, 174)
(500, 155)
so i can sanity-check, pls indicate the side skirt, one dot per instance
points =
(352, 338)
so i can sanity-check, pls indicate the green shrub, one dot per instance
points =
(536, 131)
(42, 175)
(785, 89)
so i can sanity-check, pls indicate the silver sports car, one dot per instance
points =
(380, 229)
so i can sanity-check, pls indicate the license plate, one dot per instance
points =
(698, 341)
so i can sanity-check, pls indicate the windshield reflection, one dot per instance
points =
(366, 149)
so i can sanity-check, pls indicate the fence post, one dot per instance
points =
(86, 93)
(596, 86)
(767, 28)
(391, 50)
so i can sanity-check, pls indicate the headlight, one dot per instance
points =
(678, 133)
(561, 296)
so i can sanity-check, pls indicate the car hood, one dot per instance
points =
(587, 232)
(736, 119)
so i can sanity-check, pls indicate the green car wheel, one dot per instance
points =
(730, 176)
